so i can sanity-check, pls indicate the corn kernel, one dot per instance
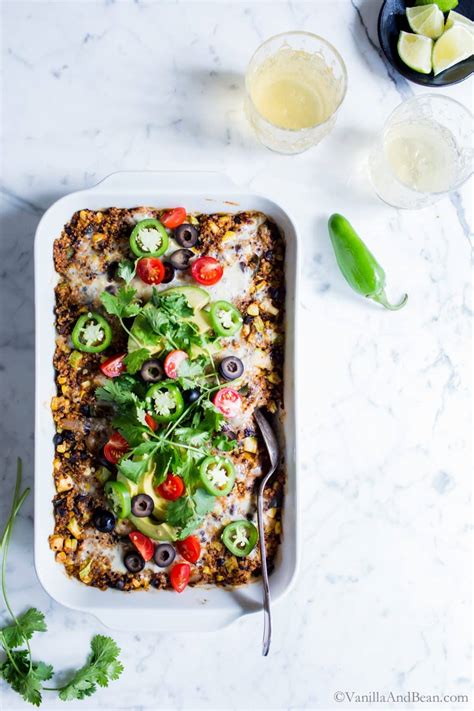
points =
(61, 557)
(55, 403)
(253, 310)
(56, 543)
(65, 483)
(271, 513)
(61, 447)
(206, 569)
(272, 406)
(259, 325)
(70, 544)
(219, 578)
(228, 235)
(274, 378)
(278, 527)
(250, 444)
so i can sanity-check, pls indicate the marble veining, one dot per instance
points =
(382, 599)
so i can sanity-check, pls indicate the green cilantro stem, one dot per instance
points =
(18, 669)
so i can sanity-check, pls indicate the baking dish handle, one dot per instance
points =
(167, 621)
(173, 181)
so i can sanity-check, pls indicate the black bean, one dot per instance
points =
(85, 410)
(269, 255)
(58, 439)
(118, 584)
(112, 270)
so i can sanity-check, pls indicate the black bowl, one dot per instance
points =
(392, 19)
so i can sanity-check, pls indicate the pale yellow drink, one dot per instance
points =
(294, 89)
(295, 84)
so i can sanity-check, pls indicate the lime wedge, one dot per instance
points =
(455, 18)
(456, 44)
(444, 5)
(415, 51)
(427, 20)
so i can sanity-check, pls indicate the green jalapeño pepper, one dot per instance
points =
(225, 318)
(119, 498)
(240, 537)
(149, 239)
(358, 265)
(165, 401)
(217, 475)
(92, 333)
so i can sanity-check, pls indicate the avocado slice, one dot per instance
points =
(158, 532)
(196, 297)
(146, 487)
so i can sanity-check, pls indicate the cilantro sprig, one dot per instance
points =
(18, 669)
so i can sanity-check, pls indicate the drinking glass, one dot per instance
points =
(295, 84)
(423, 152)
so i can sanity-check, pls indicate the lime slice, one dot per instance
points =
(455, 18)
(415, 51)
(444, 5)
(456, 44)
(427, 20)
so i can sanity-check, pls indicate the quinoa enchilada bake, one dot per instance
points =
(169, 335)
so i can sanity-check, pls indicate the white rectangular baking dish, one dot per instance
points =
(198, 609)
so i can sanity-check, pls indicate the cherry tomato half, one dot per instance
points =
(172, 362)
(115, 448)
(143, 544)
(179, 576)
(207, 271)
(190, 548)
(173, 218)
(172, 488)
(228, 401)
(151, 270)
(113, 366)
(151, 422)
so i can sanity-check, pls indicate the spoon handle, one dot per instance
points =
(267, 618)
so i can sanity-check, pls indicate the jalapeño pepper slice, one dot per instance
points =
(92, 333)
(119, 498)
(165, 401)
(240, 537)
(149, 239)
(225, 318)
(217, 475)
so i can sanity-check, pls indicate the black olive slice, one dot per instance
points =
(152, 371)
(104, 520)
(134, 562)
(186, 235)
(191, 396)
(164, 554)
(231, 368)
(181, 258)
(142, 505)
(169, 273)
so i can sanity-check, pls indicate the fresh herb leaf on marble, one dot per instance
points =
(19, 670)
(126, 270)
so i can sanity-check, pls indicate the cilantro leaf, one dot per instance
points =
(126, 271)
(203, 502)
(103, 666)
(224, 444)
(180, 511)
(118, 390)
(126, 424)
(28, 623)
(133, 470)
(135, 360)
(123, 304)
(190, 371)
(192, 436)
(25, 681)
(176, 305)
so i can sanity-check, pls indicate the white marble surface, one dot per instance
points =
(382, 601)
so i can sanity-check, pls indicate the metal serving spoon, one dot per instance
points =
(273, 452)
